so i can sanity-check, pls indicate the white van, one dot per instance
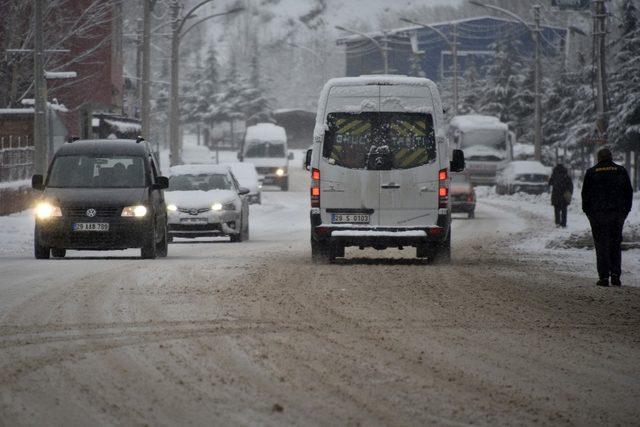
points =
(265, 145)
(380, 168)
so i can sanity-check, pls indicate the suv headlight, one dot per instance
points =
(280, 172)
(137, 211)
(46, 210)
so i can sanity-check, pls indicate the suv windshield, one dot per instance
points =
(202, 182)
(406, 140)
(265, 149)
(82, 171)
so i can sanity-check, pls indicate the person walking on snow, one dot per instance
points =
(607, 196)
(561, 193)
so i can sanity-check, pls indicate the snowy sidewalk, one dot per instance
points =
(570, 249)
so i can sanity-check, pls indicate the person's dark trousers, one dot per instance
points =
(607, 238)
(561, 214)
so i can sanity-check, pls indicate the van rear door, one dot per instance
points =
(409, 185)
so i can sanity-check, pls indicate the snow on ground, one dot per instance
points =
(16, 233)
(559, 244)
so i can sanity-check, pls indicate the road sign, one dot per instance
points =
(571, 4)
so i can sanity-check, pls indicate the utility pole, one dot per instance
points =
(174, 113)
(537, 84)
(41, 156)
(145, 102)
(139, 48)
(454, 52)
(599, 49)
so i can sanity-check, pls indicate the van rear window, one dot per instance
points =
(406, 140)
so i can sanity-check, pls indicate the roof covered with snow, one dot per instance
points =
(474, 122)
(266, 132)
(198, 169)
(528, 166)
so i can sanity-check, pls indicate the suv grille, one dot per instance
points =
(265, 171)
(82, 212)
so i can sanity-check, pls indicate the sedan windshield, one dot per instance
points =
(201, 182)
(407, 140)
(82, 171)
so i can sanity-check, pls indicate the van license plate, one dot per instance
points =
(354, 218)
(91, 226)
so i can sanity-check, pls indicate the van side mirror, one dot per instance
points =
(37, 182)
(162, 182)
(307, 159)
(290, 156)
(457, 162)
(242, 191)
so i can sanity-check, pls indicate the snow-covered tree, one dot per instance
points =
(503, 83)
(472, 89)
(624, 129)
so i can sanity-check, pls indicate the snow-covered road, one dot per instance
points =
(254, 333)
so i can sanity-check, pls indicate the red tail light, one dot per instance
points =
(443, 189)
(470, 198)
(315, 188)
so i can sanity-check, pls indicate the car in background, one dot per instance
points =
(265, 146)
(206, 201)
(247, 176)
(527, 176)
(462, 195)
(101, 195)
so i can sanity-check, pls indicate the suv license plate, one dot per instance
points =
(354, 218)
(91, 226)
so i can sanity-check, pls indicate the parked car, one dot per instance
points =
(463, 195)
(99, 195)
(527, 176)
(265, 145)
(379, 176)
(247, 176)
(206, 200)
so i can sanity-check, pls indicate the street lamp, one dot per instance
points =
(535, 33)
(383, 49)
(453, 46)
(177, 25)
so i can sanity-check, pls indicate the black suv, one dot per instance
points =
(99, 195)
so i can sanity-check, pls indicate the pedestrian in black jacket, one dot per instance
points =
(561, 193)
(606, 200)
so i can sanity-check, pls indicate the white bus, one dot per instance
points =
(487, 144)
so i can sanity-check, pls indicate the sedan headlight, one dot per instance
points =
(45, 210)
(280, 172)
(223, 207)
(172, 208)
(137, 211)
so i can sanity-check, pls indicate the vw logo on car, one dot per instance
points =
(91, 212)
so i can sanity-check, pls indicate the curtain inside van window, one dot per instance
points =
(409, 137)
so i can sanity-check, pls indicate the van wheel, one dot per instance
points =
(285, 185)
(321, 253)
(442, 252)
(149, 249)
(163, 246)
(39, 251)
(58, 253)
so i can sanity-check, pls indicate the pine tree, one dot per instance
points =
(523, 108)
(471, 90)
(504, 82)
(624, 129)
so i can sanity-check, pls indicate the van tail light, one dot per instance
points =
(315, 188)
(443, 189)
(470, 197)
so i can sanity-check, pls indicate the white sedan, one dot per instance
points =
(206, 200)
